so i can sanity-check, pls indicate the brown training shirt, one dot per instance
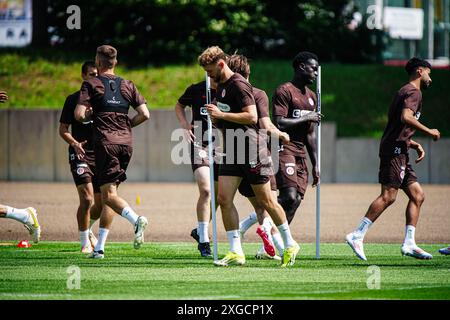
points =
(291, 102)
(110, 127)
(397, 135)
(232, 96)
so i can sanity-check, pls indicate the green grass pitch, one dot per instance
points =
(174, 271)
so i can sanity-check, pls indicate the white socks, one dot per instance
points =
(410, 236)
(102, 235)
(286, 235)
(21, 215)
(130, 215)
(235, 242)
(361, 231)
(246, 224)
(84, 238)
(202, 231)
(278, 242)
(91, 223)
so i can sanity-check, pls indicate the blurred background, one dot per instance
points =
(362, 44)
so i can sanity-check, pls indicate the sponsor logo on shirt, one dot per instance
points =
(223, 107)
(297, 113)
(113, 101)
(224, 93)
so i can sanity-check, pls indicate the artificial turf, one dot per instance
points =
(175, 271)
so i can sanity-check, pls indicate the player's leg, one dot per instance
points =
(202, 176)
(416, 197)
(28, 217)
(228, 186)
(263, 230)
(267, 199)
(287, 180)
(106, 220)
(290, 200)
(121, 207)
(86, 203)
(377, 207)
(245, 189)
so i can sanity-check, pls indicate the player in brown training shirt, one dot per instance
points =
(294, 111)
(236, 111)
(106, 99)
(266, 230)
(395, 170)
(195, 97)
(82, 163)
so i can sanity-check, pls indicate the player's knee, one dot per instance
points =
(205, 194)
(388, 199)
(419, 198)
(224, 201)
(86, 201)
(288, 200)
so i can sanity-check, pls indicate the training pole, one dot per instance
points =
(211, 172)
(319, 151)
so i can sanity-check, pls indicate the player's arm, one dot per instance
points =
(142, 115)
(267, 124)
(420, 151)
(286, 124)
(248, 116)
(67, 137)
(409, 119)
(311, 146)
(83, 113)
(180, 111)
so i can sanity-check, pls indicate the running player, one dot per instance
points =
(266, 229)
(106, 99)
(236, 111)
(294, 111)
(82, 163)
(395, 170)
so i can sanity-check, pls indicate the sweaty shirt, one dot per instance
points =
(110, 127)
(397, 135)
(291, 102)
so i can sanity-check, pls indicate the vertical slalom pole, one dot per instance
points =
(319, 151)
(211, 172)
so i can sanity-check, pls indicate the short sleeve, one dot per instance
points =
(280, 103)
(413, 100)
(187, 99)
(67, 114)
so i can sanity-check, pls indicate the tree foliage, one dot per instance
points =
(167, 31)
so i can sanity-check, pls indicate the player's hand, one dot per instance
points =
(188, 134)
(420, 153)
(316, 176)
(435, 134)
(284, 137)
(313, 116)
(3, 96)
(214, 112)
(79, 150)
